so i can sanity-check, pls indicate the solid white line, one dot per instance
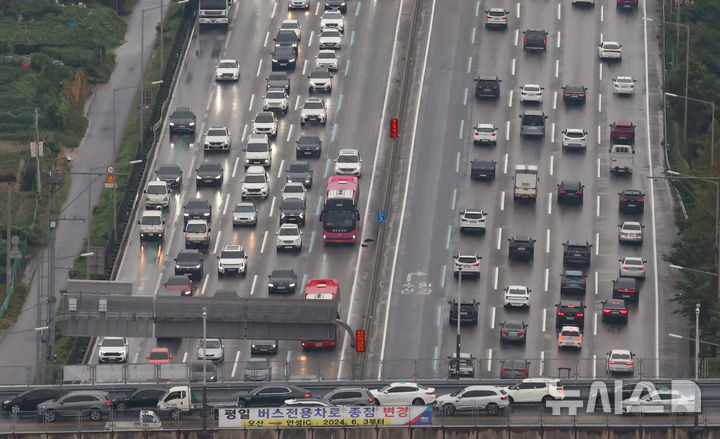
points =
(507, 130)
(489, 365)
(552, 135)
(597, 243)
(554, 100)
(547, 279)
(513, 67)
(297, 102)
(517, 33)
(505, 166)
(599, 132)
(205, 281)
(598, 167)
(235, 364)
(550, 203)
(274, 9)
(495, 283)
(600, 69)
(510, 99)
(492, 318)
(184, 357)
(599, 102)
(596, 283)
(499, 237)
(272, 207)
(258, 69)
(557, 67)
(289, 132)
(552, 162)
(252, 100)
(237, 159)
(652, 194)
(595, 323)
(544, 320)
(502, 200)
(597, 209)
(267, 35)
(558, 36)
(217, 239)
(547, 244)
(252, 288)
(282, 162)
(310, 40)
(262, 246)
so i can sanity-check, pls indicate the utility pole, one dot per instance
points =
(39, 153)
(204, 433)
(459, 313)
(56, 180)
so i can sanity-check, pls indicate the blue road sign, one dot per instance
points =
(381, 216)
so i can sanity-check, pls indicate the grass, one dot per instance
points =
(17, 300)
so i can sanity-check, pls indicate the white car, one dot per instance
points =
(232, 259)
(517, 296)
(570, 337)
(294, 190)
(276, 99)
(610, 50)
(256, 183)
(227, 70)
(624, 85)
(632, 266)
(590, 3)
(403, 393)
(332, 19)
(574, 138)
(327, 59)
(320, 80)
(265, 122)
(292, 25)
(531, 93)
(535, 390)
(467, 264)
(113, 350)
(313, 110)
(631, 232)
(620, 361)
(330, 39)
(289, 237)
(258, 151)
(484, 133)
(473, 220)
(299, 4)
(217, 139)
(488, 398)
(157, 195)
(348, 162)
(660, 401)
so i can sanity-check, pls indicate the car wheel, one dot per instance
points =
(120, 406)
(547, 398)
(491, 409)
(244, 273)
(15, 409)
(511, 400)
(418, 401)
(376, 402)
(50, 416)
(448, 410)
(95, 415)
(302, 123)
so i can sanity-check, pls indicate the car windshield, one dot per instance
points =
(188, 257)
(330, 33)
(292, 204)
(209, 169)
(575, 134)
(621, 357)
(156, 189)
(611, 46)
(532, 88)
(232, 254)
(326, 55)
(571, 333)
(313, 105)
(487, 82)
(339, 220)
(277, 77)
(623, 79)
(633, 262)
(216, 133)
(288, 232)
(467, 259)
(211, 344)
(308, 141)
(227, 65)
(158, 355)
(196, 228)
(347, 158)
(241, 208)
(320, 74)
(151, 220)
(264, 118)
(257, 147)
(473, 215)
(573, 274)
(517, 291)
(168, 170)
(196, 205)
(485, 129)
(275, 95)
(532, 120)
(254, 178)
(293, 188)
(332, 15)
(182, 114)
(576, 248)
(286, 274)
(632, 227)
(298, 168)
(497, 13)
(113, 342)
(256, 365)
(513, 325)
(198, 367)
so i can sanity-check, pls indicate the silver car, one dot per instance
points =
(299, 4)
(289, 237)
(574, 138)
(620, 361)
(320, 80)
(330, 39)
(473, 220)
(327, 59)
(632, 266)
(624, 85)
(91, 403)
(276, 99)
(348, 162)
(313, 110)
(258, 369)
(517, 296)
(244, 213)
(214, 350)
(488, 398)
(631, 232)
(496, 17)
(610, 50)
(294, 190)
(467, 264)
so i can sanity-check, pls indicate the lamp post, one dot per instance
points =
(204, 391)
(712, 126)
(459, 312)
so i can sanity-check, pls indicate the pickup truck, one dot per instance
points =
(535, 40)
(182, 400)
(622, 132)
(526, 179)
(147, 420)
(467, 366)
(621, 159)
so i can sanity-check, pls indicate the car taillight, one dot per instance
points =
(559, 389)
(561, 337)
(505, 370)
(464, 220)
(641, 268)
(523, 371)
(566, 280)
(611, 362)
(488, 16)
(582, 281)
(108, 402)
(623, 233)
(582, 95)
(578, 192)
(580, 338)
(581, 315)
(562, 191)
(525, 41)
(476, 264)
(567, 95)
(307, 395)
(505, 332)
(640, 234)
(503, 398)
(544, 41)
(623, 311)
(640, 200)
(370, 400)
(523, 93)
(494, 134)
(521, 333)
(606, 311)
(624, 200)
(430, 393)
(560, 313)
(628, 363)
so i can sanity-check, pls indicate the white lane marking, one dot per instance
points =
(558, 36)
(510, 100)
(442, 277)
(552, 135)
(287, 139)
(205, 281)
(598, 134)
(542, 363)
(237, 160)
(492, 318)
(598, 167)
(252, 288)
(297, 102)
(596, 283)
(317, 8)
(595, 323)
(517, 33)
(280, 170)
(235, 364)
(465, 97)
(262, 246)
(184, 357)
(518, 10)
(547, 280)
(462, 128)
(244, 132)
(557, 67)
(381, 127)
(597, 243)
(544, 320)
(552, 161)
(454, 199)
(602, 13)
(502, 200)
(227, 40)
(601, 37)
(513, 67)
(489, 363)
(469, 64)
(495, 282)
(310, 41)
(258, 69)
(252, 101)
(600, 103)
(547, 243)
(559, 13)
(217, 239)
(474, 31)
(505, 166)
(507, 130)
(304, 67)
(274, 10)
(597, 209)
(600, 70)
(555, 100)
(499, 237)
(550, 203)
(449, 235)
(135, 358)
(267, 35)
(457, 163)
(272, 207)
(594, 367)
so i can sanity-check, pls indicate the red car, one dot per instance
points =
(180, 283)
(160, 356)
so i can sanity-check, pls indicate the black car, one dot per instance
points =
(514, 369)
(284, 58)
(300, 172)
(271, 395)
(626, 288)
(574, 94)
(308, 146)
(535, 40)
(487, 87)
(189, 262)
(468, 311)
(482, 169)
(513, 331)
(576, 253)
(573, 282)
(278, 80)
(286, 38)
(28, 400)
(521, 248)
(264, 347)
(570, 192)
(198, 209)
(282, 280)
(292, 210)
(631, 201)
(209, 174)
(139, 399)
(182, 121)
(570, 313)
(340, 5)
(171, 174)
(614, 310)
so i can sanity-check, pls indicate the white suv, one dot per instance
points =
(197, 234)
(348, 162)
(535, 390)
(113, 350)
(327, 59)
(227, 70)
(275, 99)
(217, 139)
(404, 393)
(488, 398)
(320, 80)
(256, 183)
(610, 50)
(332, 20)
(517, 296)
(484, 133)
(157, 194)
(472, 220)
(574, 138)
(232, 259)
(570, 337)
(467, 264)
(289, 237)
(258, 151)
(265, 123)
(313, 110)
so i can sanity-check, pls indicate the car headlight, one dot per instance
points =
(172, 124)
(198, 177)
(291, 60)
(302, 215)
(206, 214)
(292, 284)
(247, 160)
(307, 180)
(192, 124)
(197, 267)
(218, 177)
(275, 60)
(254, 346)
(271, 285)
(282, 215)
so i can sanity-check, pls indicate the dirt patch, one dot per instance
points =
(6, 145)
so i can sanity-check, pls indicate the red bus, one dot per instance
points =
(322, 289)
(340, 215)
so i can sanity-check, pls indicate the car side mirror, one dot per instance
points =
(144, 192)
(138, 221)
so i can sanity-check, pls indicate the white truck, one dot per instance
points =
(148, 420)
(526, 180)
(157, 195)
(621, 159)
(152, 225)
(181, 400)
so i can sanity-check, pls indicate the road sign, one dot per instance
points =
(394, 128)
(110, 181)
(381, 215)
(359, 340)
(36, 149)
(110, 169)
(241, 417)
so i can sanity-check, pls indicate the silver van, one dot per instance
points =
(532, 123)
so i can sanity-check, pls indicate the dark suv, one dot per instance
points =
(468, 311)
(197, 209)
(631, 200)
(182, 121)
(573, 282)
(308, 146)
(576, 253)
(521, 247)
(535, 41)
(189, 262)
(625, 288)
(487, 87)
(92, 403)
(570, 192)
(514, 368)
(482, 169)
(614, 310)
(570, 313)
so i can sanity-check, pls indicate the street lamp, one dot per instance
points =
(459, 309)
(204, 392)
(712, 126)
(694, 270)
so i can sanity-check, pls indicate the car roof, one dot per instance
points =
(620, 351)
(615, 303)
(233, 247)
(533, 113)
(255, 169)
(540, 380)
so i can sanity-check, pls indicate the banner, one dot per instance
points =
(324, 416)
